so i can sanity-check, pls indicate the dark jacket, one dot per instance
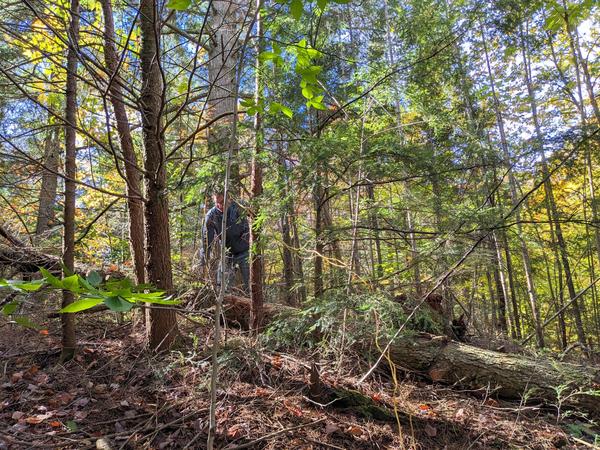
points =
(238, 233)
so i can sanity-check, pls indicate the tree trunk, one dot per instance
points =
(68, 320)
(551, 203)
(162, 323)
(531, 290)
(132, 173)
(319, 245)
(256, 188)
(223, 58)
(48, 188)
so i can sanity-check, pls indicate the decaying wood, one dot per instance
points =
(509, 376)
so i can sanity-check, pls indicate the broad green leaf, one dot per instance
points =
(118, 304)
(81, 305)
(144, 295)
(26, 322)
(94, 278)
(307, 92)
(296, 8)
(22, 286)
(51, 279)
(158, 301)
(287, 111)
(267, 56)
(322, 4)
(71, 283)
(10, 308)
(179, 5)
(71, 426)
(86, 285)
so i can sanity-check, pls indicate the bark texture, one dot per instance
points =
(512, 376)
(68, 320)
(45, 215)
(132, 173)
(162, 323)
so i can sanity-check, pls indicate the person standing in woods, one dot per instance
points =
(236, 240)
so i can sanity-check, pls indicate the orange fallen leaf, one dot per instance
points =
(44, 332)
(354, 430)
(235, 431)
(376, 396)
(39, 418)
(293, 409)
(55, 423)
(276, 361)
(491, 402)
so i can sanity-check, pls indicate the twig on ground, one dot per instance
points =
(275, 433)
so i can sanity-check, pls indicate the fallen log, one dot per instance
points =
(506, 375)
(26, 260)
(237, 309)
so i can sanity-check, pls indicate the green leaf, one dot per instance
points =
(22, 286)
(94, 278)
(267, 56)
(287, 111)
(71, 426)
(71, 283)
(275, 108)
(143, 295)
(341, 2)
(26, 322)
(10, 308)
(322, 4)
(179, 5)
(296, 8)
(158, 301)
(81, 305)
(51, 279)
(117, 304)
(307, 92)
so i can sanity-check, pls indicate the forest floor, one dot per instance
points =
(114, 395)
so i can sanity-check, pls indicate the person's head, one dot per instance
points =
(219, 200)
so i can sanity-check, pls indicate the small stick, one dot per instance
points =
(275, 433)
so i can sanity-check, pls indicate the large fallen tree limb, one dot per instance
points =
(27, 260)
(509, 376)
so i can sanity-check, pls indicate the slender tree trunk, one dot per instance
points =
(49, 185)
(162, 323)
(287, 259)
(132, 173)
(256, 188)
(551, 203)
(531, 290)
(298, 264)
(68, 320)
(516, 316)
(374, 224)
(319, 244)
